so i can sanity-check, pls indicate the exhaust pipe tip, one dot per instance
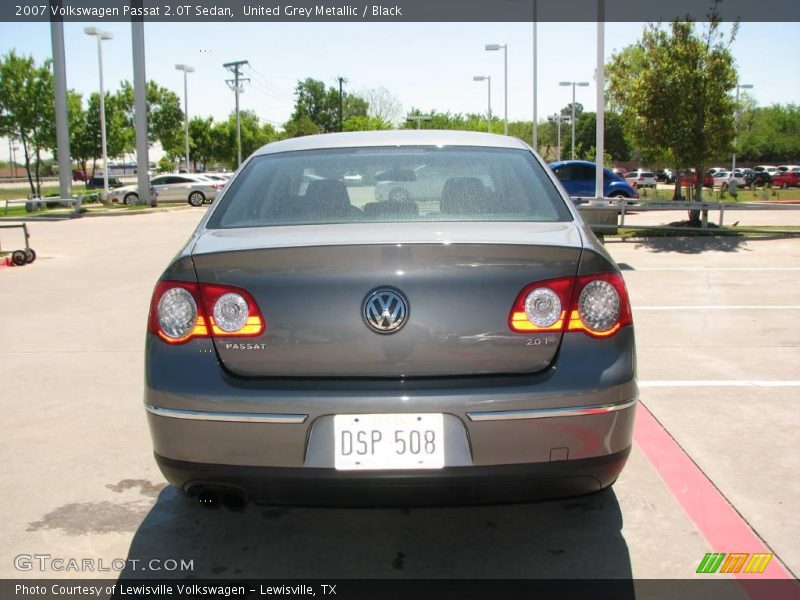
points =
(234, 500)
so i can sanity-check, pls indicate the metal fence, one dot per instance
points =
(608, 215)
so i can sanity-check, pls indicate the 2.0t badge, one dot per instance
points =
(385, 310)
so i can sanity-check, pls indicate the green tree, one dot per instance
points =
(674, 91)
(79, 145)
(164, 116)
(321, 105)
(203, 146)
(770, 133)
(120, 137)
(616, 144)
(362, 123)
(299, 126)
(27, 110)
(254, 135)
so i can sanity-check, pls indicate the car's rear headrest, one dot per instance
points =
(328, 192)
(464, 195)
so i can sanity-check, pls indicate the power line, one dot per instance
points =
(235, 68)
(267, 83)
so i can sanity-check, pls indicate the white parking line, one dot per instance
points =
(635, 269)
(720, 383)
(721, 307)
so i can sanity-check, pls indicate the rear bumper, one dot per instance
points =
(451, 485)
(564, 431)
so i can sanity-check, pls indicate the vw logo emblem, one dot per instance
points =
(385, 310)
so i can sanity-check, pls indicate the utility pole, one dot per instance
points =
(62, 121)
(600, 77)
(341, 102)
(535, 132)
(140, 109)
(235, 68)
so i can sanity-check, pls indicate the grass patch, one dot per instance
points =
(712, 229)
(743, 195)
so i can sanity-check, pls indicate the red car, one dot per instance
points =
(689, 178)
(78, 175)
(786, 179)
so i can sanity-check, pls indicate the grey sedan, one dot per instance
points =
(314, 343)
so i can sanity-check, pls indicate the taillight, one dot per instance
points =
(595, 304)
(180, 311)
(231, 311)
(542, 306)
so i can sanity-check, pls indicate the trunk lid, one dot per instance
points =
(459, 281)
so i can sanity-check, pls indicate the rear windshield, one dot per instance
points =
(390, 184)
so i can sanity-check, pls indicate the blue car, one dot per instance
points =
(577, 176)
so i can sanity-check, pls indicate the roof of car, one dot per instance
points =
(396, 137)
(560, 163)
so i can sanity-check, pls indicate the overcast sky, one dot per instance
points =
(426, 65)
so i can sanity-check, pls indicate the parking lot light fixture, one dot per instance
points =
(186, 70)
(488, 80)
(739, 86)
(101, 35)
(573, 84)
(495, 47)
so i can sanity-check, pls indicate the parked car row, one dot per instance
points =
(760, 176)
(717, 177)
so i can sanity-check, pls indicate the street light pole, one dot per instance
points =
(101, 35)
(573, 84)
(488, 80)
(557, 118)
(493, 47)
(186, 70)
(739, 86)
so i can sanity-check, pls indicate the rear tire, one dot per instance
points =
(131, 199)
(197, 199)
(30, 255)
(18, 258)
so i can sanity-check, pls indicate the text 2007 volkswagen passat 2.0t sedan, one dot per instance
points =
(461, 337)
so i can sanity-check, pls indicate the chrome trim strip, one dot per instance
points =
(199, 415)
(546, 413)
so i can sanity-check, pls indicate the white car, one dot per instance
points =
(641, 178)
(722, 179)
(186, 187)
(417, 184)
(788, 168)
(769, 169)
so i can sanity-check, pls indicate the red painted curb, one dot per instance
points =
(723, 527)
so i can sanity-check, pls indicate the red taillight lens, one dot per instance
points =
(597, 304)
(180, 311)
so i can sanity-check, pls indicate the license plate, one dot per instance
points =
(394, 441)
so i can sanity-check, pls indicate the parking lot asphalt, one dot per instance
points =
(713, 468)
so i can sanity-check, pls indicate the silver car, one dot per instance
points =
(315, 344)
(194, 189)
